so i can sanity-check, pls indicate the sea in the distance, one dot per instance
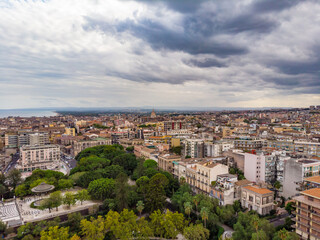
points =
(26, 113)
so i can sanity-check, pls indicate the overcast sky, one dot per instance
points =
(108, 53)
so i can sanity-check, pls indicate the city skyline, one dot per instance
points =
(248, 54)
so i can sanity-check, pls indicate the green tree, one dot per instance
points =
(156, 196)
(73, 221)
(69, 199)
(127, 160)
(28, 237)
(196, 201)
(65, 184)
(196, 232)
(14, 177)
(93, 229)
(177, 150)
(140, 207)
(250, 225)
(142, 184)
(204, 215)
(3, 227)
(21, 190)
(290, 207)
(187, 208)
(121, 191)
(47, 204)
(149, 163)
(56, 199)
(284, 234)
(3, 190)
(24, 230)
(82, 195)
(55, 233)
(102, 188)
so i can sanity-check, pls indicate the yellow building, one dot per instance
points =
(226, 131)
(70, 131)
(175, 142)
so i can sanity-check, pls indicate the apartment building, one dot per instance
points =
(13, 140)
(166, 161)
(174, 125)
(78, 146)
(224, 189)
(39, 157)
(257, 199)
(248, 144)
(297, 147)
(255, 167)
(193, 148)
(295, 171)
(308, 214)
(215, 149)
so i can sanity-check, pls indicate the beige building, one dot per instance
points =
(257, 199)
(165, 162)
(308, 214)
(42, 157)
(207, 173)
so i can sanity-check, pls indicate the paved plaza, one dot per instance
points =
(18, 212)
(32, 215)
(9, 213)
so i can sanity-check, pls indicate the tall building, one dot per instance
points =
(39, 157)
(295, 171)
(217, 148)
(174, 125)
(13, 140)
(193, 148)
(308, 214)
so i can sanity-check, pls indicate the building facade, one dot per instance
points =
(39, 157)
(308, 214)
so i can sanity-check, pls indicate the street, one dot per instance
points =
(70, 161)
(12, 164)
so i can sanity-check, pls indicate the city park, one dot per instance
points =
(112, 194)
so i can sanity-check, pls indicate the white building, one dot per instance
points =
(42, 157)
(217, 148)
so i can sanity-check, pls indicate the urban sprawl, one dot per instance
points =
(251, 174)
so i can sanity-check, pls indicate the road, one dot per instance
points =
(279, 220)
(13, 163)
(68, 160)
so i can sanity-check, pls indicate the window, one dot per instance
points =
(258, 200)
(250, 198)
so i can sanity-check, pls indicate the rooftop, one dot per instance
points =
(258, 190)
(313, 192)
(243, 182)
(314, 179)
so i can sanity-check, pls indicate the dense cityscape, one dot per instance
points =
(213, 175)
(163, 119)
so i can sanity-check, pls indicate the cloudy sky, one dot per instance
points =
(98, 53)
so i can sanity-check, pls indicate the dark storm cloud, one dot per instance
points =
(162, 38)
(264, 6)
(299, 67)
(205, 63)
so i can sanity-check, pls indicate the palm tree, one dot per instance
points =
(196, 202)
(187, 208)
(204, 215)
(283, 234)
(140, 207)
